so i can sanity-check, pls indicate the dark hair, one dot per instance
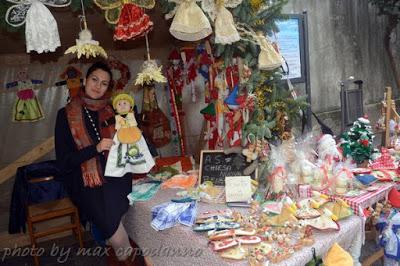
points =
(99, 65)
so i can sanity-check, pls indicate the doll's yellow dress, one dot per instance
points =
(127, 130)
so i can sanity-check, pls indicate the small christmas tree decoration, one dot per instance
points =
(357, 142)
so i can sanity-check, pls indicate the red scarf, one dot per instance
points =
(91, 169)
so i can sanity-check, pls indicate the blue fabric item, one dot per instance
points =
(189, 215)
(366, 179)
(25, 193)
(166, 215)
(204, 72)
(232, 97)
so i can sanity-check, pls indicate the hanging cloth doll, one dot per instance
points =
(189, 23)
(128, 17)
(72, 78)
(27, 107)
(268, 58)
(130, 153)
(41, 32)
(225, 29)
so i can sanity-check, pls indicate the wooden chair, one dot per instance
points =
(41, 212)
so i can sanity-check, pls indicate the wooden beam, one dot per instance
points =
(28, 158)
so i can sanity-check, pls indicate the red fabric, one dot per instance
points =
(132, 23)
(394, 198)
(25, 94)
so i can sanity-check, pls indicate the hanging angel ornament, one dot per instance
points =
(128, 17)
(225, 28)
(41, 31)
(269, 58)
(85, 45)
(189, 23)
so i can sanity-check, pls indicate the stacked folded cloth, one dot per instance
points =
(168, 214)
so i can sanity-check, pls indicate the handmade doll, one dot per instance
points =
(130, 152)
(27, 107)
(72, 78)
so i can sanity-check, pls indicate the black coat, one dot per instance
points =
(25, 193)
(103, 205)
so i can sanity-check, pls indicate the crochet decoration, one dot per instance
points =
(85, 45)
(150, 73)
(41, 31)
(128, 16)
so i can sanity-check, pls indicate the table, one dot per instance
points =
(183, 239)
(358, 204)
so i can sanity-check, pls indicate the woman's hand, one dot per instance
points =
(104, 145)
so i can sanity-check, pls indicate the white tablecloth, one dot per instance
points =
(193, 248)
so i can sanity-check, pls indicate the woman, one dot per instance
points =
(83, 137)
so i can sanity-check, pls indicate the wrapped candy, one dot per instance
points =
(327, 147)
(320, 178)
(343, 181)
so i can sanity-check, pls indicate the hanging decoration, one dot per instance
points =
(72, 78)
(27, 107)
(225, 29)
(128, 17)
(268, 58)
(85, 45)
(155, 123)
(41, 31)
(121, 73)
(189, 21)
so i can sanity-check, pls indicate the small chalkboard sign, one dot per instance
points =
(216, 165)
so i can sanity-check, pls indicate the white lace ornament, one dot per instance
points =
(189, 23)
(225, 28)
(269, 58)
(41, 31)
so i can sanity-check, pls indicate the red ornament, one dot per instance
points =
(364, 142)
(132, 23)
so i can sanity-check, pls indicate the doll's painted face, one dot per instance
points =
(123, 106)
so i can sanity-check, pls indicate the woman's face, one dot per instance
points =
(97, 84)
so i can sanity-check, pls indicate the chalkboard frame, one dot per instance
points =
(255, 174)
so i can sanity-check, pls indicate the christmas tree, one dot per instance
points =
(275, 108)
(357, 142)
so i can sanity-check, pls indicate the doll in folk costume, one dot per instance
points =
(128, 17)
(27, 107)
(130, 152)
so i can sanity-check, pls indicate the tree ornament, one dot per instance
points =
(128, 16)
(85, 45)
(41, 31)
